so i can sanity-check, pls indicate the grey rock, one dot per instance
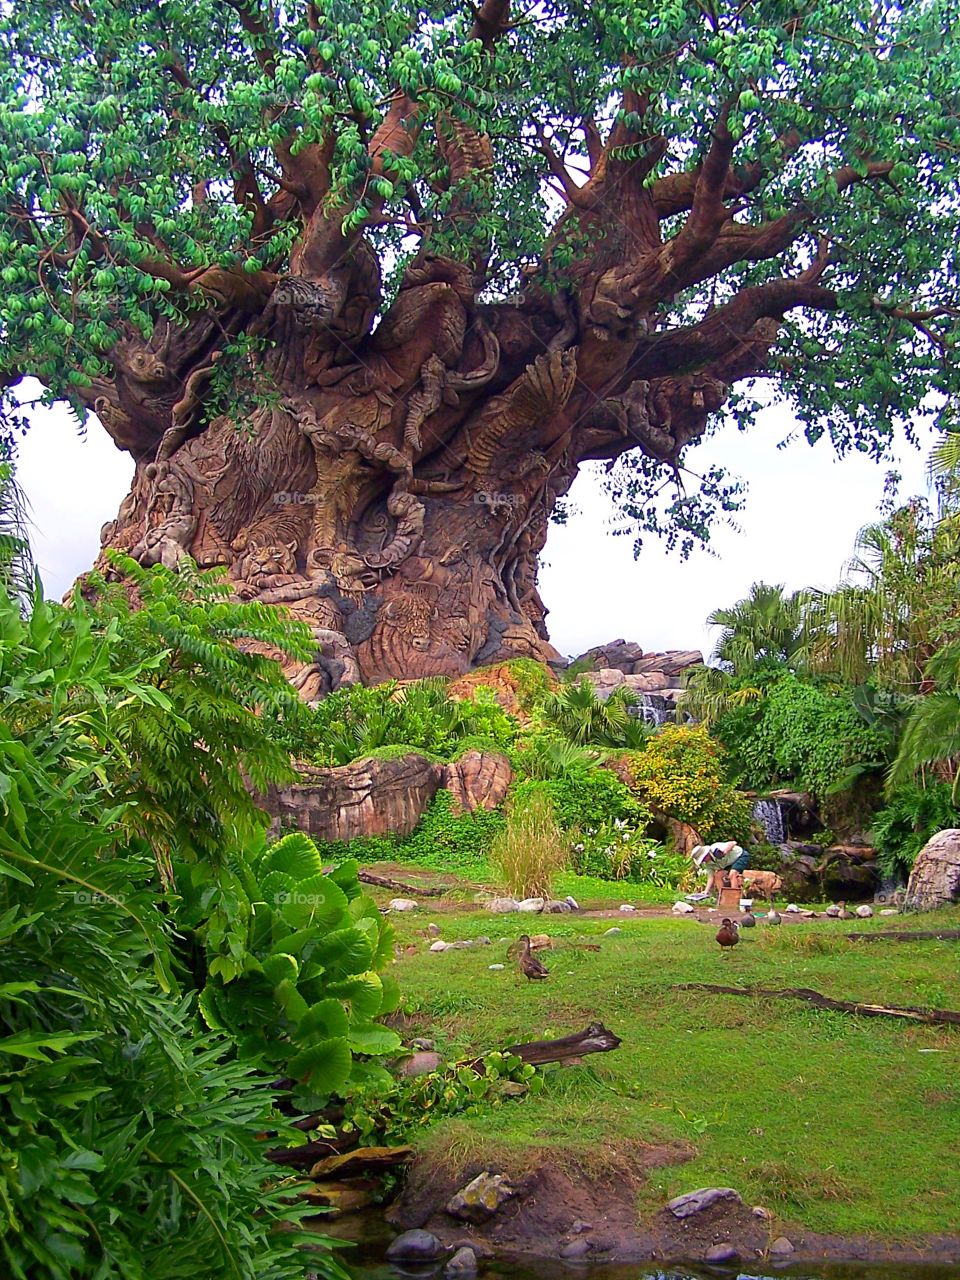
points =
(683, 908)
(575, 1249)
(935, 878)
(557, 906)
(864, 911)
(781, 1248)
(402, 904)
(502, 905)
(625, 906)
(463, 1263)
(759, 1211)
(721, 1253)
(832, 911)
(793, 908)
(695, 1201)
(612, 933)
(535, 905)
(573, 904)
(422, 1043)
(890, 911)
(440, 946)
(415, 1246)
(433, 930)
(579, 1227)
(420, 1064)
(496, 966)
(481, 1198)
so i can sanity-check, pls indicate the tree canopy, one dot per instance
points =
(759, 189)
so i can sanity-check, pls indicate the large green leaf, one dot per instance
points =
(364, 992)
(345, 875)
(322, 1021)
(278, 968)
(295, 856)
(316, 901)
(344, 951)
(371, 1038)
(325, 1067)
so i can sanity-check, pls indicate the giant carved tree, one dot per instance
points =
(360, 284)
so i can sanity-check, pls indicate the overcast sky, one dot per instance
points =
(803, 511)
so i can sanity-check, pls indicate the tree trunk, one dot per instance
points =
(392, 489)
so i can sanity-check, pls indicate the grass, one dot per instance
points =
(842, 1124)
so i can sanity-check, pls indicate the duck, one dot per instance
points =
(728, 935)
(843, 913)
(748, 920)
(530, 966)
(773, 917)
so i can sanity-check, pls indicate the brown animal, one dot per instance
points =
(766, 883)
(531, 968)
(728, 935)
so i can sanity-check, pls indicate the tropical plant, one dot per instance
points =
(18, 574)
(530, 851)
(907, 821)
(579, 714)
(931, 734)
(681, 773)
(129, 1144)
(711, 692)
(294, 961)
(764, 628)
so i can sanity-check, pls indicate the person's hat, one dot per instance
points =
(701, 854)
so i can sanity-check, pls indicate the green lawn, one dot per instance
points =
(840, 1123)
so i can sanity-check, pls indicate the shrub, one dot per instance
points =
(905, 824)
(680, 772)
(530, 851)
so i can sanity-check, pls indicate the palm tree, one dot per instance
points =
(884, 621)
(765, 626)
(18, 573)
(931, 736)
(710, 692)
(584, 719)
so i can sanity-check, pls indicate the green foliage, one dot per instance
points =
(192, 750)
(442, 839)
(400, 1113)
(128, 1142)
(586, 795)
(931, 734)
(357, 721)
(765, 627)
(805, 733)
(144, 145)
(18, 574)
(681, 773)
(904, 825)
(530, 850)
(294, 964)
(576, 713)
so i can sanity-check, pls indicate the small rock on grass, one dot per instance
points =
(402, 904)
(440, 946)
(463, 1263)
(415, 1246)
(793, 909)
(683, 908)
(759, 1211)
(890, 911)
(694, 1201)
(625, 906)
(502, 905)
(433, 930)
(496, 966)
(422, 1043)
(864, 911)
(579, 1227)
(721, 1253)
(534, 905)
(781, 1248)
(612, 933)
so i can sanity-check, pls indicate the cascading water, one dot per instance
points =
(654, 709)
(769, 814)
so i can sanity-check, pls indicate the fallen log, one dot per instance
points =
(904, 935)
(595, 1039)
(949, 1017)
(384, 882)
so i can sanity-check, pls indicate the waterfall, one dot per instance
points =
(653, 708)
(770, 816)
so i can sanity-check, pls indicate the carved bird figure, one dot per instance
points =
(727, 935)
(530, 966)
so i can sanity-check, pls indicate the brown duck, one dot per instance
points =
(530, 966)
(727, 936)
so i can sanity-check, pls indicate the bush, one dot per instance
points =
(531, 850)
(681, 772)
(905, 824)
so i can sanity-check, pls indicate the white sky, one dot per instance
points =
(803, 511)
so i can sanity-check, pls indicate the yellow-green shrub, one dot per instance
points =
(680, 772)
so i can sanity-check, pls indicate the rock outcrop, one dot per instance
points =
(653, 676)
(478, 780)
(935, 878)
(365, 798)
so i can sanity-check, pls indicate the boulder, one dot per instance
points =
(683, 908)
(696, 1201)
(364, 798)
(415, 1246)
(463, 1263)
(718, 1253)
(481, 1198)
(402, 904)
(575, 1249)
(478, 780)
(502, 905)
(781, 1248)
(935, 878)
(535, 905)
(845, 876)
(440, 945)
(556, 906)
(421, 1063)
(864, 911)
